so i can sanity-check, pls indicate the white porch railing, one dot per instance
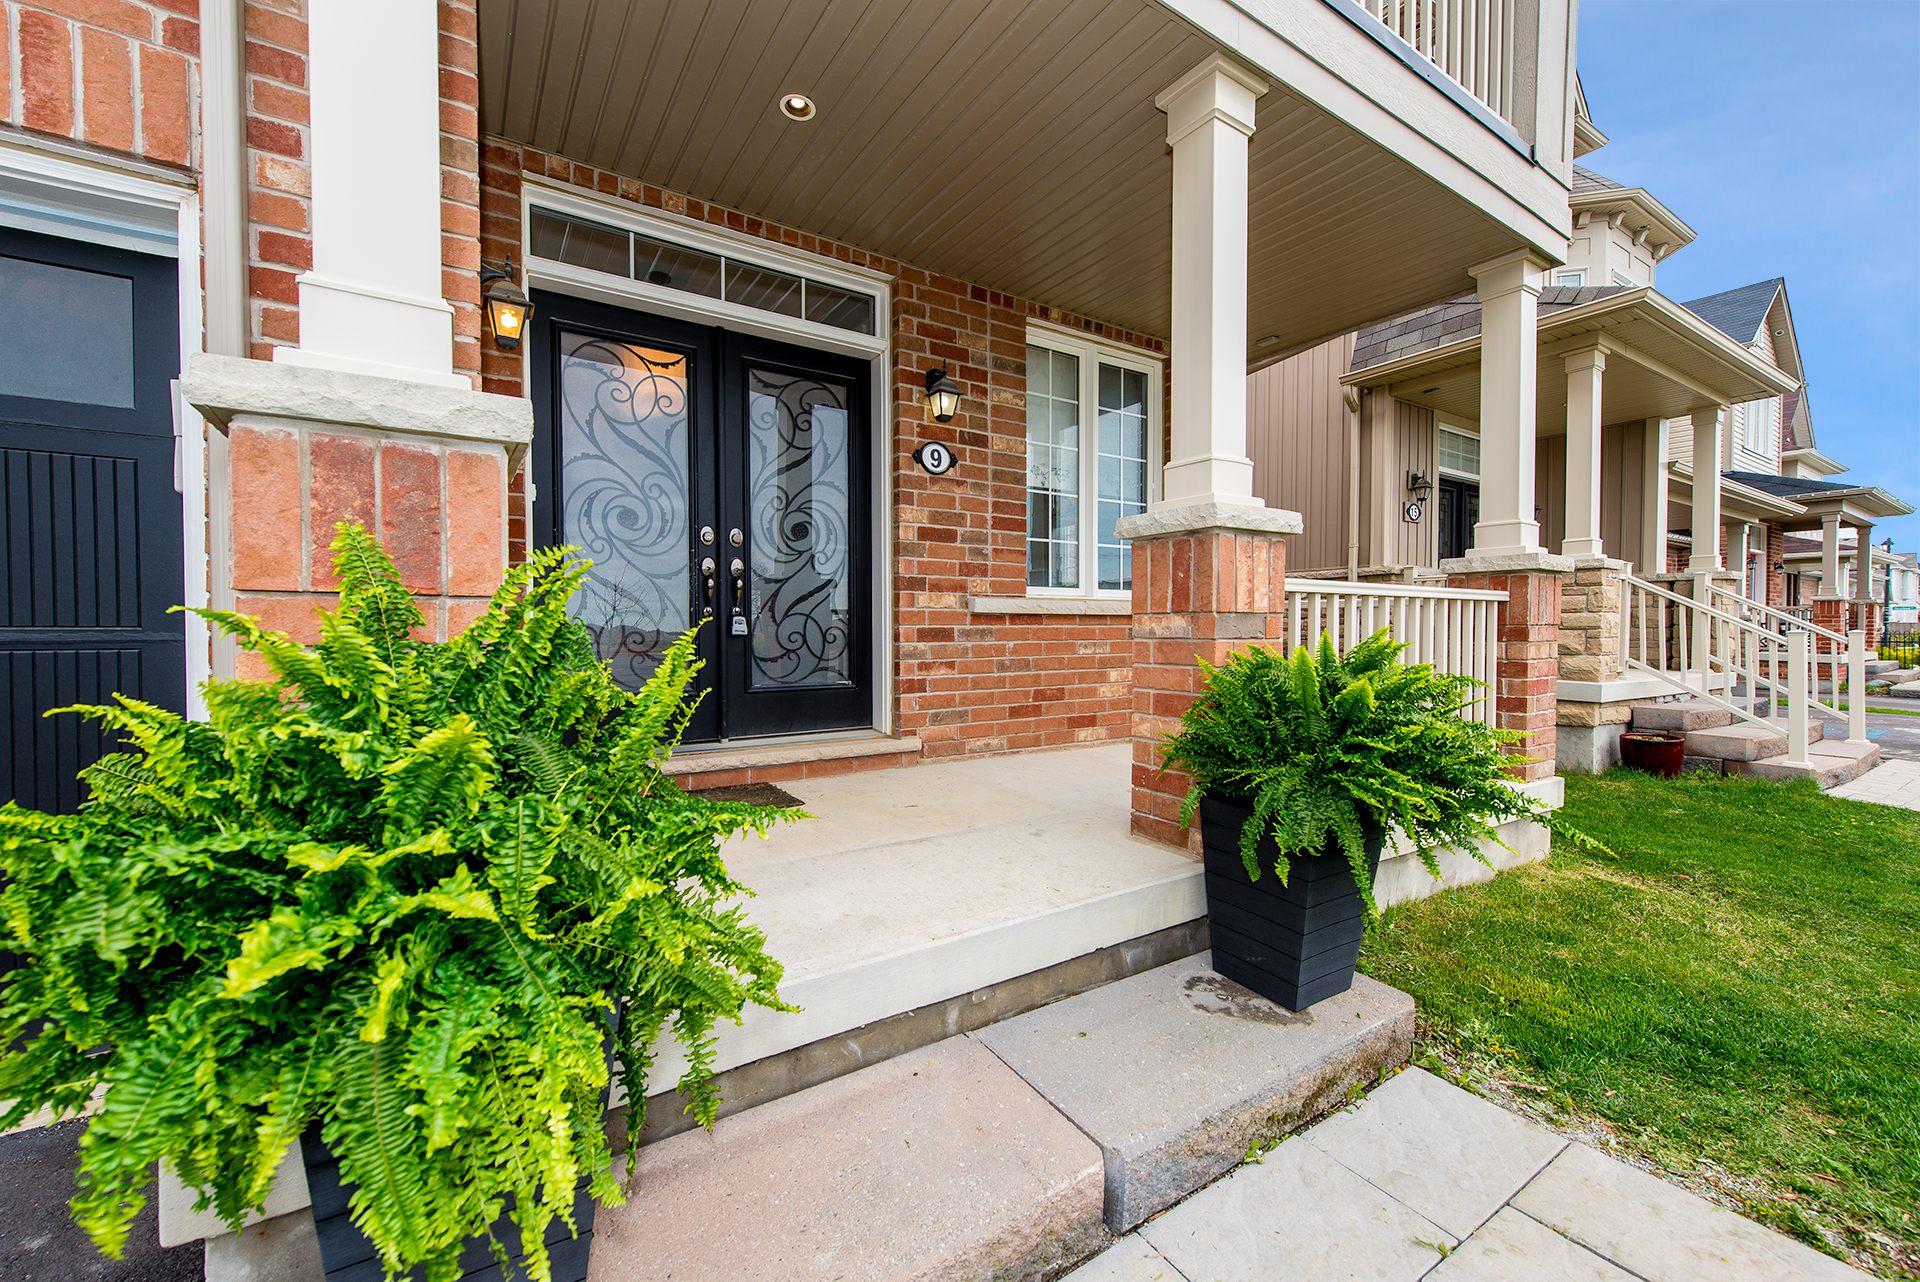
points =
(1471, 41)
(1738, 654)
(1454, 629)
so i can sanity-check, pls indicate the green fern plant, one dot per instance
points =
(1331, 746)
(415, 893)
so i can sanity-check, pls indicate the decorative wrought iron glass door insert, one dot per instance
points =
(715, 480)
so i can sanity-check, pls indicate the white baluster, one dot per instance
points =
(1797, 701)
(1856, 687)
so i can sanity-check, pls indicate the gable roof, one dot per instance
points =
(1739, 313)
(1585, 180)
(1796, 422)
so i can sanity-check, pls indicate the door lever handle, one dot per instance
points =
(707, 568)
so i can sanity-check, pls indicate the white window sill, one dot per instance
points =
(1050, 605)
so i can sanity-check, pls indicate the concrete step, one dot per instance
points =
(937, 1164)
(1880, 667)
(1177, 1071)
(1682, 714)
(1830, 764)
(1743, 742)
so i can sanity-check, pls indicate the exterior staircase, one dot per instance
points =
(1719, 742)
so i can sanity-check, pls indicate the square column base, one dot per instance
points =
(1197, 594)
(1527, 668)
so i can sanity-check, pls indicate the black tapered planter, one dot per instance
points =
(347, 1254)
(1294, 944)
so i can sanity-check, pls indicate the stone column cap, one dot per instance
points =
(1510, 562)
(1600, 563)
(223, 386)
(1192, 518)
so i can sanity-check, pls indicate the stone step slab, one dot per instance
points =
(1177, 1071)
(1830, 764)
(938, 1166)
(1743, 742)
(1682, 714)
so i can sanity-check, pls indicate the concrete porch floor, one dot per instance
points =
(911, 887)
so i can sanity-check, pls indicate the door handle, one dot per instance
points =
(738, 569)
(707, 568)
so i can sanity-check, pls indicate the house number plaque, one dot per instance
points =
(936, 457)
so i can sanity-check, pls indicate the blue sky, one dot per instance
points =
(1786, 133)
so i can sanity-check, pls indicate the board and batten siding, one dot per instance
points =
(1622, 486)
(1297, 439)
(1395, 438)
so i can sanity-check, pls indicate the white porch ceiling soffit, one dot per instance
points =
(1005, 143)
(1662, 361)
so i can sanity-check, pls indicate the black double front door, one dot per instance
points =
(719, 481)
(90, 532)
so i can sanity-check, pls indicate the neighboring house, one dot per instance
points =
(1377, 438)
(1892, 579)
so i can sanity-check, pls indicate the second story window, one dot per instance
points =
(1757, 425)
(1573, 278)
(1093, 449)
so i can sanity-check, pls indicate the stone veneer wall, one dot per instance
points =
(966, 681)
(1590, 622)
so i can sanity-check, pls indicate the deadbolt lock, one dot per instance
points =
(735, 537)
(706, 535)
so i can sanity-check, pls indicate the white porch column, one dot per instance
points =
(1830, 556)
(1509, 291)
(1653, 498)
(1209, 118)
(1862, 564)
(372, 303)
(1706, 490)
(1584, 414)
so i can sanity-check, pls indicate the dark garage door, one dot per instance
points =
(89, 516)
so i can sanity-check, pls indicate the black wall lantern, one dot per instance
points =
(1419, 486)
(943, 395)
(507, 305)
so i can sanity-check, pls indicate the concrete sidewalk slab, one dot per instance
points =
(1891, 783)
(940, 1165)
(1131, 1259)
(1512, 1247)
(1451, 1156)
(1177, 1071)
(1297, 1214)
(1662, 1233)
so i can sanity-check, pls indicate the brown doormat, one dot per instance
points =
(753, 794)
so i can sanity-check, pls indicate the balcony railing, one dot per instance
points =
(1454, 629)
(1470, 41)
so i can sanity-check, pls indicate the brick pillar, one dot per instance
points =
(1200, 591)
(423, 468)
(1528, 665)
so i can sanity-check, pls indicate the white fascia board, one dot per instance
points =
(1359, 83)
(1827, 464)
(1641, 201)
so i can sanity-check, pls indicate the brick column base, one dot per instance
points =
(1526, 671)
(1200, 591)
(423, 468)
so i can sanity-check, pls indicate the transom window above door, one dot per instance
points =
(1093, 456)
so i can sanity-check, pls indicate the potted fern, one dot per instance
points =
(413, 902)
(1302, 768)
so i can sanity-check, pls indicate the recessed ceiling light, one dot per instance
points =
(796, 106)
(1430, 391)
(1268, 341)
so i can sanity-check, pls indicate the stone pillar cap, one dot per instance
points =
(1508, 563)
(1192, 518)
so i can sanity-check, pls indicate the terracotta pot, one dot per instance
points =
(1294, 944)
(1657, 754)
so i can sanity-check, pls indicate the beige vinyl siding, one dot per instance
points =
(1395, 438)
(1297, 438)
(1622, 484)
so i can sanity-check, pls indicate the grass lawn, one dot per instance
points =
(1733, 998)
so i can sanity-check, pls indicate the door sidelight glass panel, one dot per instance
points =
(623, 445)
(800, 596)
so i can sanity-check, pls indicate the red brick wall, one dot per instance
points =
(437, 510)
(117, 74)
(966, 682)
(1776, 556)
(279, 171)
(1526, 672)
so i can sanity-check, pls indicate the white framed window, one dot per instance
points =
(1093, 456)
(1458, 453)
(1573, 278)
(1757, 422)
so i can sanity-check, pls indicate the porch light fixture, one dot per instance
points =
(943, 395)
(796, 106)
(507, 305)
(1268, 341)
(1419, 486)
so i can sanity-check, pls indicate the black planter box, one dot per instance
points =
(347, 1255)
(1294, 944)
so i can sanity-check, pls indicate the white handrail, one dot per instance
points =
(1685, 640)
(1454, 629)
(1470, 41)
(1825, 658)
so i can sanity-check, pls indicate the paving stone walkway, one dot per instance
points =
(1425, 1180)
(1891, 783)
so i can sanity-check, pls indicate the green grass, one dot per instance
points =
(1734, 995)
